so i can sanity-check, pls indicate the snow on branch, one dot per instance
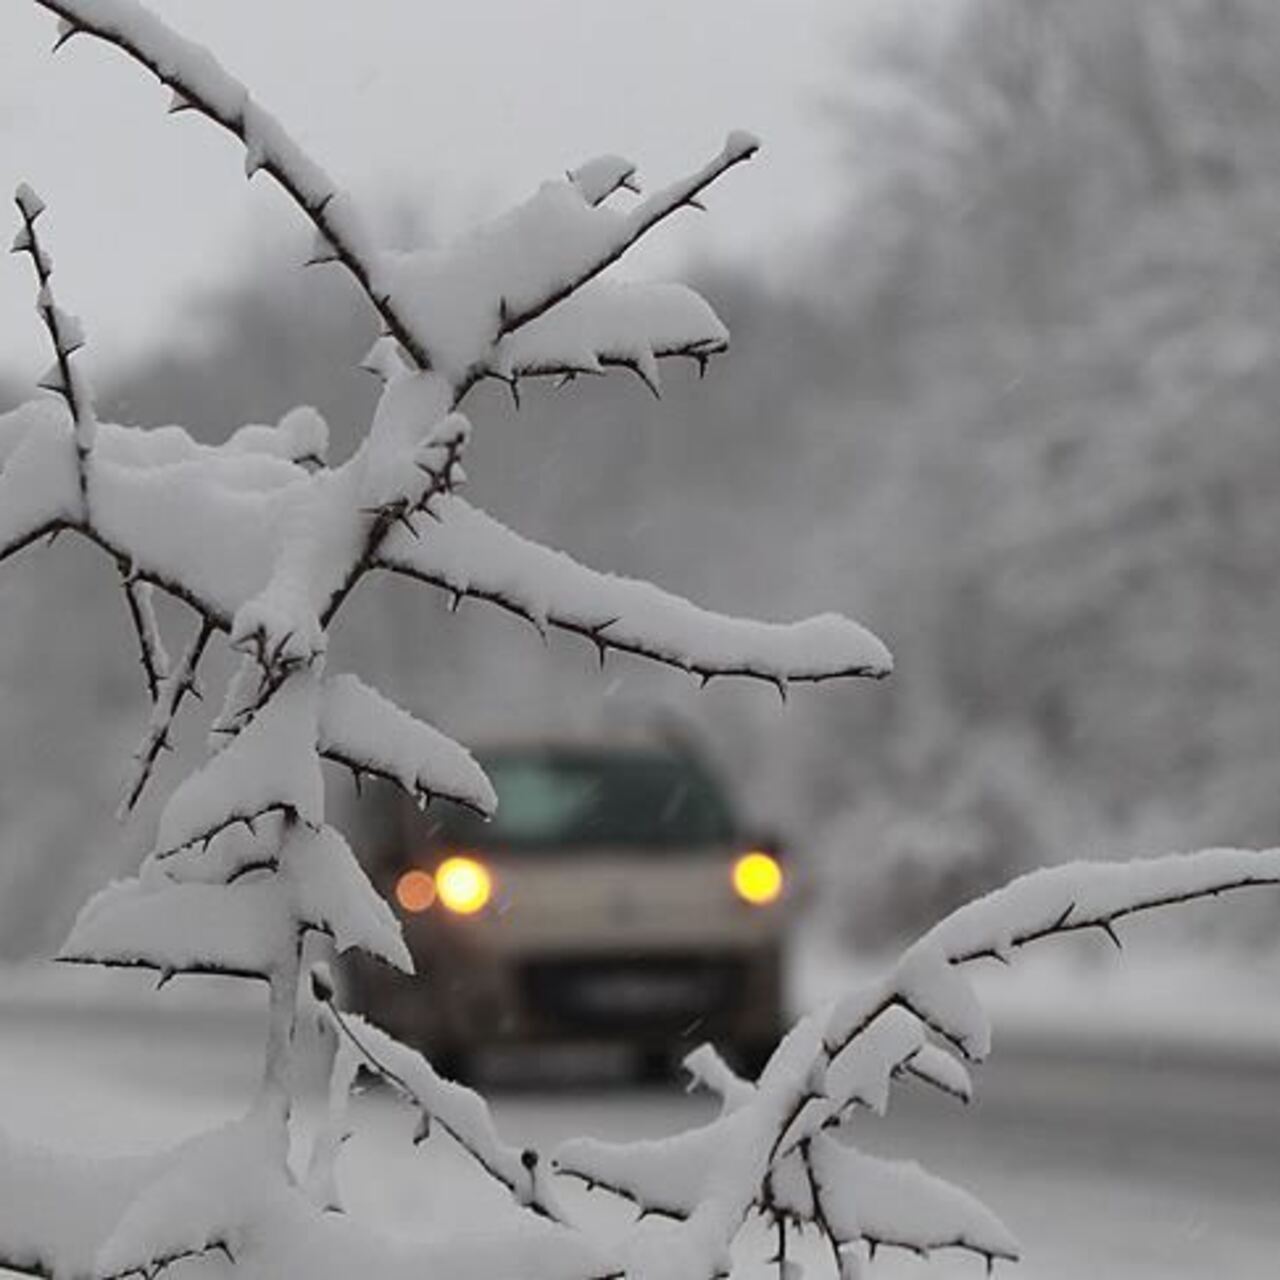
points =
(528, 298)
(173, 922)
(66, 336)
(450, 309)
(468, 553)
(455, 1109)
(57, 1207)
(368, 734)
(271, 766)
(176, 928)
(899, 1204)
(609, 324)
(1093, 897)
(774, 1149)
(39, 483)
(469, 301)
(200, 84)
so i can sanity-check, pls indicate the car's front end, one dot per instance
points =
(613, 900)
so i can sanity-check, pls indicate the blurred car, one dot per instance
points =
(614, 897)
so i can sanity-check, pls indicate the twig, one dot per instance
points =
(64, 334)
(170, 58)
(173, 690)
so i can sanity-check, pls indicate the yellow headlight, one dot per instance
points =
(415, 891)
(757, 878)
(464, 885)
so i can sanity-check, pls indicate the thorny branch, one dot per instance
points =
(65, 336)
(137, 598)
(174, 688)
(530, 1158)
(270, 149)
(643, 218)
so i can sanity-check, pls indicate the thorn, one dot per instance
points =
(402, 517)
(179, 102)
(694, 203)
(706, 679)
(66, 29)
(1109, 929)
(780, 684)
(455, 600)
(422, 1130)
(514, 387)
(358, 781)
(166, 977)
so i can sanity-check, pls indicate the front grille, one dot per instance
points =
(625, 993)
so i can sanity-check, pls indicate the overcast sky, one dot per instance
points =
(451, 116)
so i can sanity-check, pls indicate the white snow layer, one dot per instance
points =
(1084, 895)
(605, 323)
(270, 766)
(196, 925)
(897, 1203)
(366, 731)
(469, 553)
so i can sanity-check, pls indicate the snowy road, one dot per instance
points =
(1138, 1168)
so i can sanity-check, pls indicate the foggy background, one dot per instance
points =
(1014, 407)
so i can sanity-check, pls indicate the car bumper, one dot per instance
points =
(661, 1001)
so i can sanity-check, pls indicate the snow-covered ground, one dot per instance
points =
(1127, 1127)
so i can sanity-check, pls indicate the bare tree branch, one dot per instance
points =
(173, 690)
(65, 335)
(201, 85)
(151, 649)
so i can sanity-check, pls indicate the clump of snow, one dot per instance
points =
(39, 489)
(468, 552)
(368, 733)
(898, 1203)
(270, 766)
(205, 1199)
(608, 322)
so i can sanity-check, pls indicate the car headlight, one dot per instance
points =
(757, 878)
(463, 884)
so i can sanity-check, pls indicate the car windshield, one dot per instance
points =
(562, 800)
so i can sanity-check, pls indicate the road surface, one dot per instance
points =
(1147, 1166)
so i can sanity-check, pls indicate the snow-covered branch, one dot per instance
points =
(540, 296)
(66, 337)
(468, 553)
(369, 734)
(200, 84)
(454, 1109)
(502, 279)
(774, 1149)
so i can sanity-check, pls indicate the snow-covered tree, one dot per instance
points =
(264, 541)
